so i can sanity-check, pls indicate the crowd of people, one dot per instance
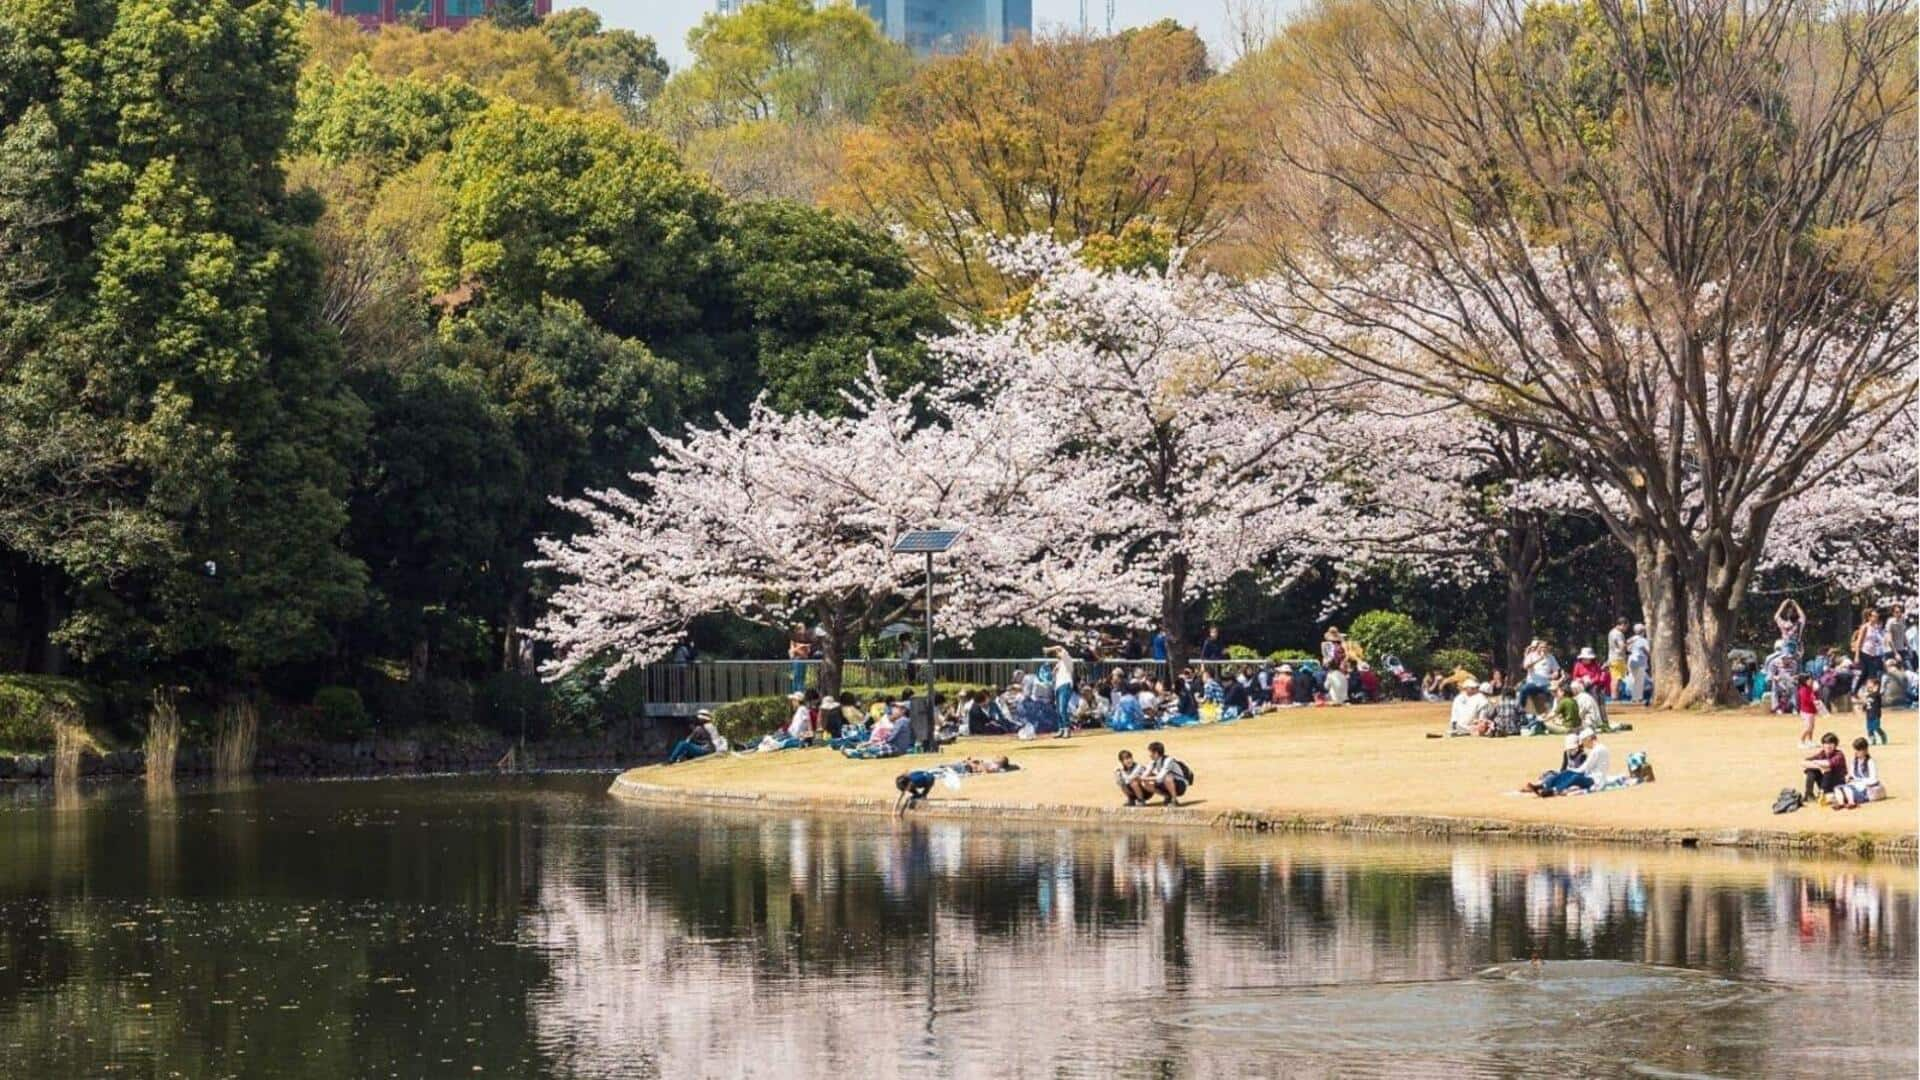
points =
(1123, 685)
(1875, 672)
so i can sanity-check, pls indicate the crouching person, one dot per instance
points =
(913, 788)
(1165, 776)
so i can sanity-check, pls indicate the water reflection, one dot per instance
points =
(535, 927)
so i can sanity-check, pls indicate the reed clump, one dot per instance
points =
(163, 738)
(70, 740)
(236, 739)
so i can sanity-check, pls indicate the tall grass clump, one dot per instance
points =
(70, 739)
(163, 738)
(236, 739)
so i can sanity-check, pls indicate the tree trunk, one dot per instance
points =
(1664, 613)
(1709, 672)
(1520, 587)
(1715, 586)
(833, 652)
(1173, 612)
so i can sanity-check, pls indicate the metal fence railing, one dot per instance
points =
(681, 688)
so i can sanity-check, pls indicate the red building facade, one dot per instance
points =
(451, 14)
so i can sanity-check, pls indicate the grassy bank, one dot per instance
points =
(1374, 769)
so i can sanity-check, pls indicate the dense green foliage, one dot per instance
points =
(267, 434)
(826, 297)
(1449, 660)
(1389, 633)
(27, 704)
(173, 408)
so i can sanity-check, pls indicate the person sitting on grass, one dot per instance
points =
(1128, 776)
(1163, 775)
(1863, 783)
(1825, 768)
(701, 739)
(1565, 713)
(797, 733)
(1589, 773)
(879, 740)
(1235, 701)
(1593, 716)
(1469, 715)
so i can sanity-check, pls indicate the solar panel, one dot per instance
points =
(921, 540)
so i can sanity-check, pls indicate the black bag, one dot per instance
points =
(1184, 771)
(1788, 802)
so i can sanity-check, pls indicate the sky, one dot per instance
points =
(668, 21)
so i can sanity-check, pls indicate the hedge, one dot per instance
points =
(744, 721)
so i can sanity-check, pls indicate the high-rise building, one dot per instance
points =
(450, 14)
(947, 26)
(934, 26)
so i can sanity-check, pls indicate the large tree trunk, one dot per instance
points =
(1520, 586)
(1716, 583)
(833, 651)
(1664, 612)
(1173, 612)
(1709, 633)
(1522, 555)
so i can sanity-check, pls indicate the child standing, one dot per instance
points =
(1809, 705)
(1871, 700)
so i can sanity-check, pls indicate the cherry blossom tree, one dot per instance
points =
(1676, 241)
(1211, 450)
(793, 517)
(1856, 524)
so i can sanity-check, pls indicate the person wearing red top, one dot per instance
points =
(1588, 669)
(1826, 769)
(1809, 705)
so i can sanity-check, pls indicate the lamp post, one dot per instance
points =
(928, 542)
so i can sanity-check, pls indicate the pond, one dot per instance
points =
(532, 926)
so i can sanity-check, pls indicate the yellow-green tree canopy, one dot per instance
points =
(1069, 136)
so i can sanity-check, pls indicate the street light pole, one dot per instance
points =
(930, 674)
(928, 542)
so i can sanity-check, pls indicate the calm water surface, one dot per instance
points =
(535, 927)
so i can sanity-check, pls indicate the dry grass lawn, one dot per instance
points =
(1717, 771)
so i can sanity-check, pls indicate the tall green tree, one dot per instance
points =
(170, 346)
(824, 295)
(618, 66)
(572, 206)
(513, 404)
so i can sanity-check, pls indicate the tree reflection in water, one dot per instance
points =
(534, 926)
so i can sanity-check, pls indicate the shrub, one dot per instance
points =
(439, 703)
(744, 721)
(340, 714)
(1282, 656)
(1389, 633)
(511, 703)
(27, 705)
(1449, 659)
(1242, 652)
